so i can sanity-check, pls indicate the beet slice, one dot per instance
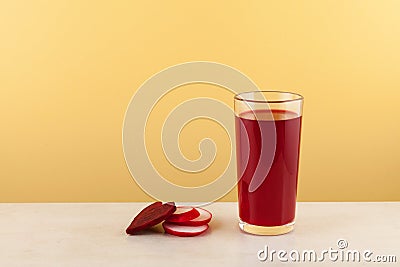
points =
(150, 216)
(183, 214)
(181, 230)
(204, 218)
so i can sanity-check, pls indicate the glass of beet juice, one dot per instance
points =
(268, 127)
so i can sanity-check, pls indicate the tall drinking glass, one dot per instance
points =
(268, 127)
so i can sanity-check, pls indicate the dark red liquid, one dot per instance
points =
(273, 202)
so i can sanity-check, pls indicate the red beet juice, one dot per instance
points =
(273, 202)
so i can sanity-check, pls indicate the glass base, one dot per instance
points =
(266, 230)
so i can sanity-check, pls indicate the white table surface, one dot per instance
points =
(93, 234)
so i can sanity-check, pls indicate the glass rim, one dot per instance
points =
(240, 98)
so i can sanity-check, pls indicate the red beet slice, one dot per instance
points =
(204, 218)
(183, 214)
(181, 230)
(150, 216)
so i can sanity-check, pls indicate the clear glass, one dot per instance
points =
(268, 129)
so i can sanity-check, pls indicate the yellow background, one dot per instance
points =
(69, 68)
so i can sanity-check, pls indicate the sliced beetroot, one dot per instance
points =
(182, 230)
(150, 216)
(183, 214)
(204, 218)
